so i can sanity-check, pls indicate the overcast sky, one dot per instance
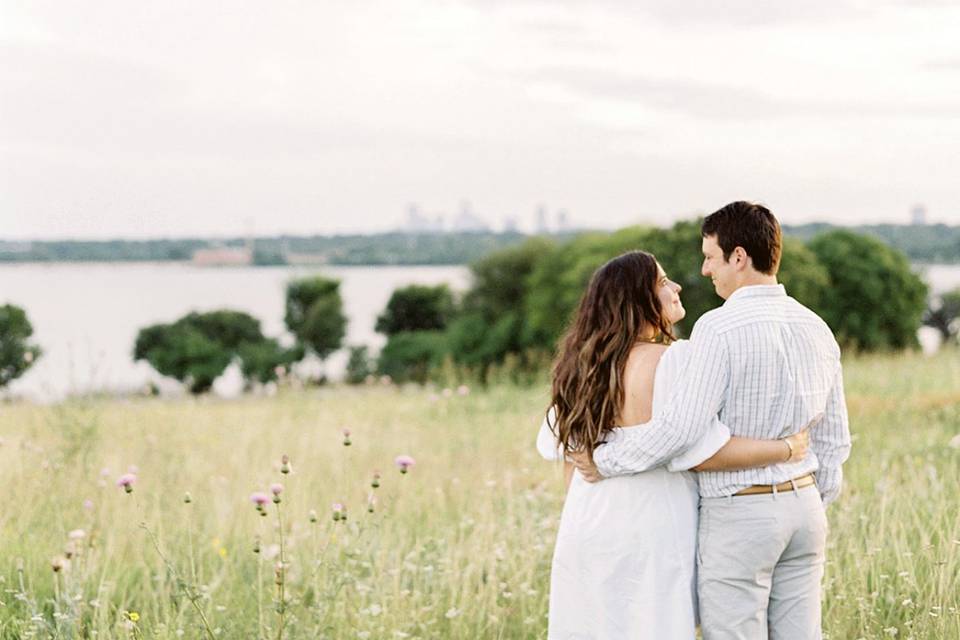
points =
(176, 118)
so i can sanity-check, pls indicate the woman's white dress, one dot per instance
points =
(624, 566)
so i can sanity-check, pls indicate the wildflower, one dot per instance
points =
(134, 616)
(346, 437)
(259, 499)
(447, 393)
(276, 489)
(404, 462)
(77, 534)
(126, 481)
(285, 464)
(105, 472)
(463, 390)
(280, 371)
(375, 483)
(371, 502)
(256, 544)
(187, 498)
(133, 469)
(312, 515)
(59, 563)
(386, 380)
(339, 512)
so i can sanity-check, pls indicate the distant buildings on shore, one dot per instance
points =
(468, 220)
(222, 257)
(918, 215)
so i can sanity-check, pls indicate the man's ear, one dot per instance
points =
(740, 258)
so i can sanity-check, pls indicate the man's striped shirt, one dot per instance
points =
(767, 365)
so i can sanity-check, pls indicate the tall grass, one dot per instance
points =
(459, 547)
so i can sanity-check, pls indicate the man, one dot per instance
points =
(763, 362)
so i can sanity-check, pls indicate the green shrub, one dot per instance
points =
(17, 354)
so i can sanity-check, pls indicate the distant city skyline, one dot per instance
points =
(182, 119)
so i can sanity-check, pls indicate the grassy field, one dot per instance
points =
(458, 547)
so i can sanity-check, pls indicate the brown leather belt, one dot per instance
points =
(799, 483)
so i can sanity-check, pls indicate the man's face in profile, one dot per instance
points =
(715, 267)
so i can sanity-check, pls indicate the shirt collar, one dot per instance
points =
(758, 291)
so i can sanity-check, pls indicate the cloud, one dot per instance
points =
(718, 101)
(695, 13)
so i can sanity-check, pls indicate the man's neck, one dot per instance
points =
(754, 279)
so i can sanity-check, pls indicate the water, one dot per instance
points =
(86, 316)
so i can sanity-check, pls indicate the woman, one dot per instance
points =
(624, 566)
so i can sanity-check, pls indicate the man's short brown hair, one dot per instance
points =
(747, 225)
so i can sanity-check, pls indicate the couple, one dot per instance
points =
(633, 550)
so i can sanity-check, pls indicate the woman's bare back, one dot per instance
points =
(638, 377)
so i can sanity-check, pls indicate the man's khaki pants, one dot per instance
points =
(760, 560)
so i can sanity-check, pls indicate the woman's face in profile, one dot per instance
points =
(668, 292)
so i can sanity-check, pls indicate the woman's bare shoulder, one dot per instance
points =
(644, 358)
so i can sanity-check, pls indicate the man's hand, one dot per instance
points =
(583, 461)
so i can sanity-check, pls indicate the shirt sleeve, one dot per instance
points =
(547, 445)
(693, 407)
(830, 442)
(716, 436)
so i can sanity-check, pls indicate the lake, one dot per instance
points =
(86, 316)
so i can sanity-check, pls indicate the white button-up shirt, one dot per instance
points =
(767, 366)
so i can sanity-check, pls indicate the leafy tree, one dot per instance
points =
(16, 353)
(183, 352)
(874, 300)
(944, 315)
(198, 347)
(416, 308)
(359, 365)
(802, 274)
(261, 360)
(314, 314)
(493, 319)
(410, 355)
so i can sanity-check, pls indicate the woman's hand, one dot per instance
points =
(797, 445)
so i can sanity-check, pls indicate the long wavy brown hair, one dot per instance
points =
(620, 303)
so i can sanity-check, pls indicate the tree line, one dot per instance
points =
(522, 298)
(937, 243)
(519, 302)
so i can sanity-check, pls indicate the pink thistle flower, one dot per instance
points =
(88, 504)
(276, 489)
(285, 467)
(133, 469)
(447, 393)
(463, 390)
(404, 463)
(375, 483)
(259, 499)
(126, 481)
(346, 437)
(339, 512)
